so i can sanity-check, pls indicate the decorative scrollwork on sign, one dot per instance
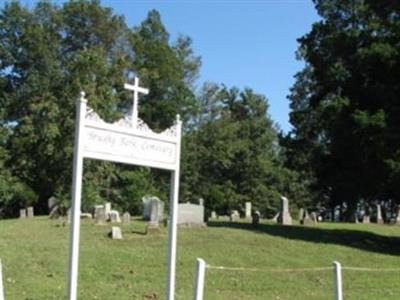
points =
(143, 127)
(126, 121)
(91, 115)
(170, 131)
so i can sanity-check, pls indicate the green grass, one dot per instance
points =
(34, 253)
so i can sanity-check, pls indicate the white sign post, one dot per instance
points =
(129, 141)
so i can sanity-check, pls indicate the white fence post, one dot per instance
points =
(199, 285)
(337, 273)
(1, 283)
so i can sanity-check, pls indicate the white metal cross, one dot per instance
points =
(136, 89)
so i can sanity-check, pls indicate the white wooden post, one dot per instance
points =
(1, 283)
(337, 272)
(199, 284)
(173, 212)
(76, 199)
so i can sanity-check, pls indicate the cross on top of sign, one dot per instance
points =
(136, 89)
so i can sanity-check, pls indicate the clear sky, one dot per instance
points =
(243, 43)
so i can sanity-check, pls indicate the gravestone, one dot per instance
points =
(86, 215)
(116, 233)
(126, 218)
(107, 207)
(379, 219)
(190, 214)
(248, 209)
(284, 215)
(156, 210)
(51, 202)
(234, 216)
(366, 219)
(305, 218)
(224, 218)
(301, 215)
(146, 207)
(255, 218)
(275, 218)
(55, 212)
(314, 217)
(100, 215)
(114, 216)
(156, 215)
(22, 213)
(29, 212)
(98, 208)
(213, 214)
(398, 215)
(201, 201)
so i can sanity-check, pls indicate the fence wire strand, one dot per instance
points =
(278, 270)
(272, 270)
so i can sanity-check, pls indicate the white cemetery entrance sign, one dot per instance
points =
(128, 141)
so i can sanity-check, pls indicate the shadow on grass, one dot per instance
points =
(364, 240)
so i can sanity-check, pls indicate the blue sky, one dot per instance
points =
(243, 43)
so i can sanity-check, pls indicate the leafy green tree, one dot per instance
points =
(231, 153)
(345, 101)
(50, 53)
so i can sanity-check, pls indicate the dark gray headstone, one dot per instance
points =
(114, 216)
(146, 207)
(256, 218)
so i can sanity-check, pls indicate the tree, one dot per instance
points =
(49, 54)
(231, 153)
(345, 101)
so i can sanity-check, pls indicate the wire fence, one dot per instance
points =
(320, 282)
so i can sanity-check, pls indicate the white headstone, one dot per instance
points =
(190, 214)
(116, 233)
(22, 213)
(248, 209)
(201, 201)
(213, 214)
(284, 214)
(29, 212)
(379, 219)
(107, 208)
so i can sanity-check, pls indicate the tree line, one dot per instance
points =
(342, 150)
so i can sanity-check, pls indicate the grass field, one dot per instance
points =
(34, 253)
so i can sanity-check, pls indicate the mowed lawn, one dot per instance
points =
(34, 253)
